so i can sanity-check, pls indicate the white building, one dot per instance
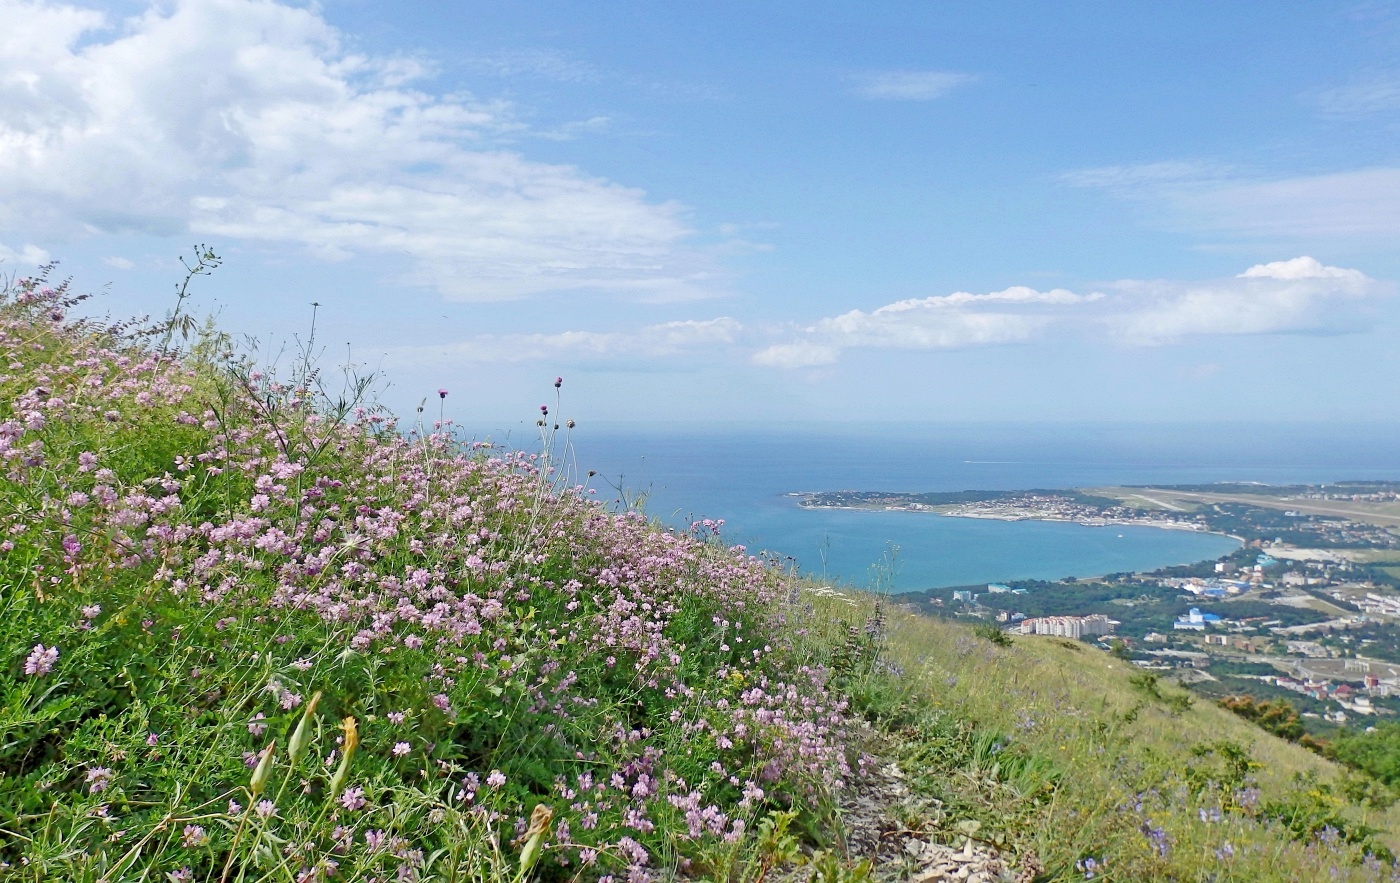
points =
(1069, 626)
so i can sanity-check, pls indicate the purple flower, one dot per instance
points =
(353, 799)
(401, 748)
(558, 382)
(442, 393)
(98, 778)
(194, 837)
(40, 660)
(265, 809)
(544, 409)
(496, 779)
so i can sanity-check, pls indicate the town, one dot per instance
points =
(1306, 612)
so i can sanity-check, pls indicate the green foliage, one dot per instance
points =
(989, 631)
(1278, 718)
(1377, 753)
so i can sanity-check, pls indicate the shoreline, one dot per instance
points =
(989, 516)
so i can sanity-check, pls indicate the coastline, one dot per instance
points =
(992, 516)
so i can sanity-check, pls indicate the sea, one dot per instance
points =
(748, 476)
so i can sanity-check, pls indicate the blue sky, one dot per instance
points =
(776, 212)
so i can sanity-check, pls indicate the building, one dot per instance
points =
(997, 588)
(1069, 626)
(965, 596)
(1195, 620)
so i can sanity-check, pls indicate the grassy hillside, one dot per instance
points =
(254, 630)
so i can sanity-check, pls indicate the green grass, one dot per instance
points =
(251, 630)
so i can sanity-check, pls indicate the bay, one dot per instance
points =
(747, 476)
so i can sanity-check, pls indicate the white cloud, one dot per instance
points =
(247, 119)
(909, 85)
(650, 342)
(801, 354)
(1132, 180)
(1345, 207)
(120, 263)
(1360, 204)
(542, 63)
(961, 319)
(1295, 296)
(28, 255)
(1376, 93)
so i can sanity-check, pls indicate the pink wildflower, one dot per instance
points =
(353, 799)
(98, 778)
(41, 660)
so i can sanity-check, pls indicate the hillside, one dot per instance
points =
(254, 629)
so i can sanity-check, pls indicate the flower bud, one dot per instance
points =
(263, 771)
(301, 736)
(342, 772)
(534, 835)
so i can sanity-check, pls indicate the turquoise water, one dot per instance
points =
(745, 477)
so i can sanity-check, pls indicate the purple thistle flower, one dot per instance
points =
(558, 382)
(442, 393)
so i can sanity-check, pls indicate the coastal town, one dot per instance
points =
(1306, 611)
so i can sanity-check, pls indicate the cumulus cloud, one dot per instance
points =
(26, 256)
(799, 354)
(1296, 296)
(248, 119)
(948, 321)
(650, 342)
(908, 85)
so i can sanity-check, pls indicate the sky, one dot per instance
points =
(723, 213)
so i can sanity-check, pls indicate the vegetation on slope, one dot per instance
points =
(252, 631)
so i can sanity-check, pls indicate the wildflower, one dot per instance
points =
(558, 382)
(1225, 851)
(265, 809)
(395, 717)
(255, 727)
(442, 393)
(544, 409)
(235, 808)
(152, 740)
(1157, 838)
(98, 778)
(91, 611)
(353, 799)
(40, 660)
(184, 875)
(401, 748)
(496, 779)
(1089, 866)
(194, 837)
